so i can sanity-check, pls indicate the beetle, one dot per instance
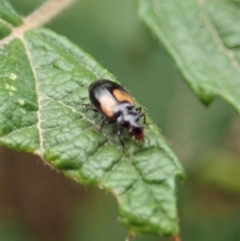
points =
(117, 105)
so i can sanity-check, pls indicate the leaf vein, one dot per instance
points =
(216, 37)
(39, 98)
(9, 25)
(19, 130)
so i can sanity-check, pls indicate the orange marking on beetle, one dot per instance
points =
(122, 96)
(107, 105)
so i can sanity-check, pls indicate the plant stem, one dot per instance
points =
(38, 18)
(129, 237)
(176, 238)
(45, 13)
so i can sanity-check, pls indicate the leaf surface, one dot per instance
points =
(44, 78)
(203, 36)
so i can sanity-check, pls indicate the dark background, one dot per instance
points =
(37, 203)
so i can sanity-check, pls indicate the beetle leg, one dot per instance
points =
(105, 122)
(142, 114)
(90, 107)
(144, 118)
(120, 131)
(139, 109)
(94, 109)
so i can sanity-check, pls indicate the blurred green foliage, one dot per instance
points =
(206, 139)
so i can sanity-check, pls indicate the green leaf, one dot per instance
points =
(8, 15)
(203, 36)
(44, 79)
(8, 18)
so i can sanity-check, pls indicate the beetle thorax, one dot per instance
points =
(126, 116)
